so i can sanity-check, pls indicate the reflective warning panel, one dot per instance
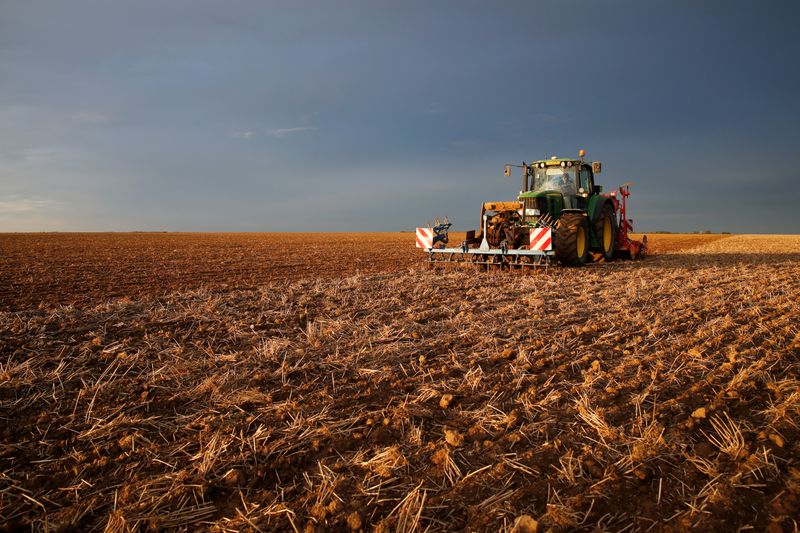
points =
(541, 239)
(424, 237)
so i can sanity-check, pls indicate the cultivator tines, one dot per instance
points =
(493, 258)
(536, 254)
(546, 221)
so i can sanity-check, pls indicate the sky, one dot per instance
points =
(372, 115)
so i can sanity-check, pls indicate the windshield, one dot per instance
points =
(554, 179)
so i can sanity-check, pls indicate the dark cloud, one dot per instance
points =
(380, 115)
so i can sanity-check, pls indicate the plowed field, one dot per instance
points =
(43, 269)
(265, 383)
(80, 268)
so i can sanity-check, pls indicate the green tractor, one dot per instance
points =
(560, 214)
(563, 191)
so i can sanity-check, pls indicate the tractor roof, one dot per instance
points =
(557, 161)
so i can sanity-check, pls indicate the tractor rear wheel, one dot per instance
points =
(572, 239)
(605, 232)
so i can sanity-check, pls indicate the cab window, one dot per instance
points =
(585, 180)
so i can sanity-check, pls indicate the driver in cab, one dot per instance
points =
(568, 189)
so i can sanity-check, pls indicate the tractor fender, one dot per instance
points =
(596, 205)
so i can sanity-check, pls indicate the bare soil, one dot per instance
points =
(46, 269)
(81, 268)
(654, 395)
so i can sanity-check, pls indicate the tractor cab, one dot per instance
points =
(556, 185)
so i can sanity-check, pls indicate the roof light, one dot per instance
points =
(581, 152)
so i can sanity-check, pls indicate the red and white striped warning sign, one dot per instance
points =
(424, 238)
(541, 239)
(629, 224)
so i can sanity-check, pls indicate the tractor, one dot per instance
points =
(560, 214)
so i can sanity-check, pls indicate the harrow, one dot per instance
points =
(482, 255)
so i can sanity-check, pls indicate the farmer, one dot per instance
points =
(567, 187)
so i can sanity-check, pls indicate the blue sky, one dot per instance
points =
(276, 116)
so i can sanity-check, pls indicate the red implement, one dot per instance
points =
(625, 246)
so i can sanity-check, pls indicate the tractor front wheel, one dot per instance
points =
(605, 232)
(572, 239)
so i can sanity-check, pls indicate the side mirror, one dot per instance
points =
(598, 189)
(597, 167)
(507, 170)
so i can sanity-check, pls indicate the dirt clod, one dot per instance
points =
(453, 438)
(776, 439)
(354, 521)
(445, 401)
(525, 524)
(593, 468)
